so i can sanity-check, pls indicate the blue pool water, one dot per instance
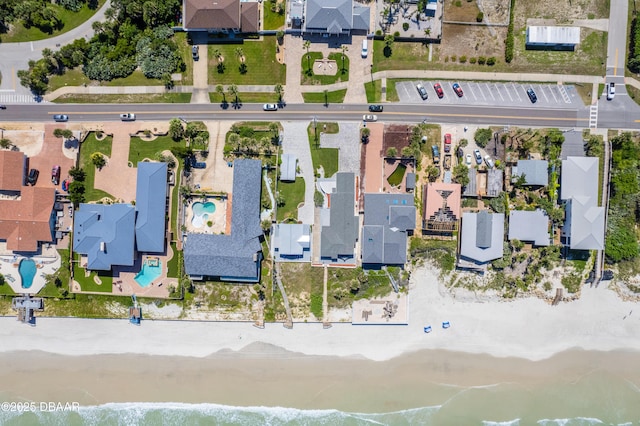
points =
(148, 274)
(27, 269)
(200, 209)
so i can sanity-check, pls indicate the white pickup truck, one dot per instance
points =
(128, 117)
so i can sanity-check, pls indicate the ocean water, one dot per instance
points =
(153, 414)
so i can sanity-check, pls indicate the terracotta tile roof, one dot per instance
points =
(11, 170)
(26, 221)
(442, 199)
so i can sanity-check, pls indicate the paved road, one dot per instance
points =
(16, 56)
(617, 39)
(470, 114)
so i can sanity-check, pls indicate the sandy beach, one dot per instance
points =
(525, 328)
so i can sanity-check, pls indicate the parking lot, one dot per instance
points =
(494, 94)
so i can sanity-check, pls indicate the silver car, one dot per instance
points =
(370, 117)
(270, 107)
(60, 118)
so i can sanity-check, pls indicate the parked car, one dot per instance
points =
(532, 95)
(611, 91)
(60, 117)
(370, 117)
(55, 175)
(457, 89)
(467, 159)
(422, 91)
(375, 108)
(195, 52)
(32, 178)
(438, 88)
(489, 161)
(478, 156)
(270, 107)
(3, 107)
(128, 117)
(447, 142)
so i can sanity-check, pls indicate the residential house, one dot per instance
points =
(105, 234)
(151, 207)
(529, 226)
(584, 219)
(441, 210)
(388, 219)
(494, 182)
(481, 240)
(288, 168)
(335, 17)
(340, 225)
(26, 213)
(552, 38)
(238, 256)
(535, 172)
(291, 242)
(225, 16)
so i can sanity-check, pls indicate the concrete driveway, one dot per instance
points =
(347, 140)
(16, 56)
(295, 142)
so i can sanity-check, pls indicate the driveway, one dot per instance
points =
(217, 176)
(51, 155)
(16, 56)
(295, 142)
(347, 140)
(117, 178)
(200, 94)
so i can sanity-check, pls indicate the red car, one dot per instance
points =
(447, 142)
(438, 90)
(55, 175)
(457, 89)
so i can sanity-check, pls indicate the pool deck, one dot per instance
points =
(45, 265)
(218, 218)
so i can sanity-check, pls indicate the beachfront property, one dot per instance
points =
(288, 168)
(340, 223)
(534, 172)
(584, 220)
(441, 209)
(235, 257)
(335, 18)
(481, 240)
(27, 216)
(529, 226)
(388, 220)
(109, 235)
(221, 16)
(291, 242)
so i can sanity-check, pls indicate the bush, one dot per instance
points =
(405, 26)
(472, 60)
(509, 42)
(378, 33)
(98, 160)
(453, 58)
(462, 59)
(479, 17)
(482, 137)
(491, 60)
(481, 60)
(396, 34)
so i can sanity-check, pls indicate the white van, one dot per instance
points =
(365, 49)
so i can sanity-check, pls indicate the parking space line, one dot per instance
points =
(489, 89)
(506, 88)
(564, 94)
(543, 94)
(499, 91)
(553, 94)
(472, 90)
(517, 90)
(481, 92)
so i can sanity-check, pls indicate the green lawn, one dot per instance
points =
(69, 19)
(374, 91)
(140, 149)
(262, 66)
(293, 194)
(184, 48)
(136, 78)
(88, 283)
(71, 77)
(342, 70)
(76, 77)
(327, 158)
(335, 97)
(245, 97)
(88, 147)
(152, 98)
(272, 20)
(173, 264)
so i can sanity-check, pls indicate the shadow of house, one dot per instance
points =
(236, 257)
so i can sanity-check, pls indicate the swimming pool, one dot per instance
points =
(201, 213)
(148, 273)
(27, 269)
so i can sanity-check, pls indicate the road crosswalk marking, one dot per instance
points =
(593, 116)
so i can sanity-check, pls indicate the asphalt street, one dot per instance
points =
(472, 114)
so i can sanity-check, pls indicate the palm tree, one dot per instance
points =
(388, 40)
(240, 54)
(218, 55)
(345, 48)
(220, 91)
(307, 45)
(273, 127)
(279, 91)
(233, 92)
(234, 141)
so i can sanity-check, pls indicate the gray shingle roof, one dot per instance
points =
(236, 256)
(288, 168)
(536, 172)
(332, 16)
(361, 18)
(579, 187)
(338, 239)
(471, 190)
(494, 182)
(373, 244)
(151, 206)
(105, 234)
(482, 236)
(529, 226)
(410, 181)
